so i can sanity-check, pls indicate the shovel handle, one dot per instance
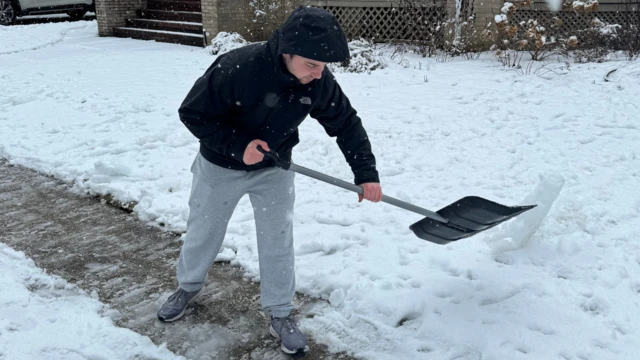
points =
(286, 165)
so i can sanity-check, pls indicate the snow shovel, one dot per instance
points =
(464, 218)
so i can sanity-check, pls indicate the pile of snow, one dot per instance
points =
(225, 42)
(363, 58)
(517, 233)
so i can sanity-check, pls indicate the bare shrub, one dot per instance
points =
(531, 35)
(508, 58)
(628, 34)
(543, 37)
(541, 69)
(594, 43)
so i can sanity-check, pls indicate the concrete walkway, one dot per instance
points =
(131, 267)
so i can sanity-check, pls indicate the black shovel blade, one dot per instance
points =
(467, 217)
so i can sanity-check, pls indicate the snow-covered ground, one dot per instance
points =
(102, 113)
(44, 317)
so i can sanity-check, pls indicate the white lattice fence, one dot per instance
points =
(388, 23)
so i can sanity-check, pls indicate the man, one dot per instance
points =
(257, 96)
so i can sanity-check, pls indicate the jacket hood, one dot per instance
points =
(313, 33)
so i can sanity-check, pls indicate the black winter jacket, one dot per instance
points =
(248, 94)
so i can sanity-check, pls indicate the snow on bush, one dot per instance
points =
(225, 42)
(508, 8)
(605, 29)
(594, 43)
(585, 6)
(542, 37)
(363, 58)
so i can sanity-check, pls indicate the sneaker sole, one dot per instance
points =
(185, 308)
(282, 347)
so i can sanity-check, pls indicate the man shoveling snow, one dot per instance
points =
(253, 97)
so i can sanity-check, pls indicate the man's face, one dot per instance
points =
(305, 70)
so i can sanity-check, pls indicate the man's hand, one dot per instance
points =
(372, 192)
(252, 155)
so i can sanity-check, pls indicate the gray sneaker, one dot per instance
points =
(176, 304)
(292, 340)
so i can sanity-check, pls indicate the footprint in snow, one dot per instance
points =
(541, 329)
(330, 220)
(595, 306)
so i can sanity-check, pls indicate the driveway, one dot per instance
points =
(131, 267)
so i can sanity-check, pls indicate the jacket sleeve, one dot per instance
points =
(339, 119)
(208, 112)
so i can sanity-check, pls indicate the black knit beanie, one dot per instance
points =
(315, 34)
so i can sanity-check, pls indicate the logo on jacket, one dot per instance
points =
(305, 100)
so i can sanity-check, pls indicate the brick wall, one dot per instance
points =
(229, 16)
(237, 16)
(485, 10)
(210, 24)
(113, 13)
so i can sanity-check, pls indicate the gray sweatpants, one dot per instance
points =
(214, 195)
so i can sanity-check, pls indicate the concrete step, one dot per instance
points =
(173, 37)
(166, 25)
(173, 5)
(190, 16)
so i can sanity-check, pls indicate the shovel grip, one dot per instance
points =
(275, 157)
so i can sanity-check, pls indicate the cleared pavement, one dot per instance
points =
(131, 267)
